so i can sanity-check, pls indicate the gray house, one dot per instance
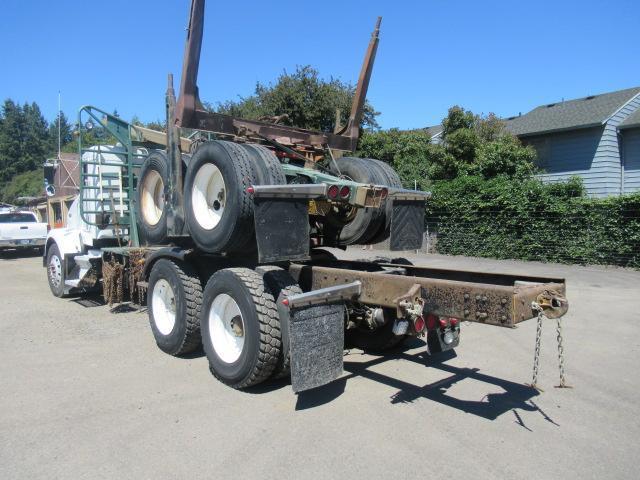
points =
(596, 138)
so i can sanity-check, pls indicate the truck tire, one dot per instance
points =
(366, 222)
(151, 215)
(392, 179)
(174, 300)
(218, 208)
(55, 271)
(240, 327)
(269, 168)
(375, 341)
(277, 281)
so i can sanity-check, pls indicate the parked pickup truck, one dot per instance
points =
(21, 230)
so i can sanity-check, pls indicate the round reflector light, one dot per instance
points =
(345, 192)
(333, 191)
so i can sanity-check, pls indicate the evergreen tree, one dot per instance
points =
(36, 140)
(11, 138)
(66, 133)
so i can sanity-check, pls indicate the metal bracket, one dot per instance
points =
(338, 293)
(309, 191)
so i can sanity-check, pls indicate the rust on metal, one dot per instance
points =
(190, 113)
(493, 299)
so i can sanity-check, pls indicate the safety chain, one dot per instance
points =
(560, 355)
(536, 356)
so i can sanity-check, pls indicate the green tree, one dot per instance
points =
(66, 133)
(36, 137)
(407, 151)
(24, 138)
(12, 127)
(308, 101)
(26, 184)
(478, 146)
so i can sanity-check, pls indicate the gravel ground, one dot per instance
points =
(87, 394)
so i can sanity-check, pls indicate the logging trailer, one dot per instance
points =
(218, 226)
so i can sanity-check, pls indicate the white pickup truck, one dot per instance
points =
(21, 230)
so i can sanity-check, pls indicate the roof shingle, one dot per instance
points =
(632, 120)
(580, 113)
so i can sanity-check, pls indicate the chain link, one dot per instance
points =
(536, 355)
(560, 355)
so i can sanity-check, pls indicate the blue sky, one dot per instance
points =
(488, 56)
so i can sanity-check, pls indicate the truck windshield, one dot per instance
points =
(17, 218)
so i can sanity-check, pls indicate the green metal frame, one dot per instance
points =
(122, 132)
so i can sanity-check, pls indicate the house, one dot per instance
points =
(62, 180)
(596, 138)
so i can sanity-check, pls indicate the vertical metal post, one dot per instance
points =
(357, 108)
(173, 188)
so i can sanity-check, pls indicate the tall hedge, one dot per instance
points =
(525, 219)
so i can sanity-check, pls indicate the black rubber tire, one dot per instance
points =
(262, 345)
(269, 168)
(152, 234)
(392, 179)
(58, 291)
(235, 230)
(277, 281)
(375, 341)
(367, 221)
(156, 161)
(187, 290)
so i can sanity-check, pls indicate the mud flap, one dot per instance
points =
(282, 229)
(316, 336)
(407, 225)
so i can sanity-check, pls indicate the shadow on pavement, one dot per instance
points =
(491, 406)
(10, 255)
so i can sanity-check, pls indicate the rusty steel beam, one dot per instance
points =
(190, 113)
(493, 299)
(188, 97)
(352, 128)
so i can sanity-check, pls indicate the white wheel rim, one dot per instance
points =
(163, 305)
(55, 271)
(208, 196)
(226, 328)
(152, 198)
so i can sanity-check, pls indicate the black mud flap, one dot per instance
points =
(282, 229)
(316, 336)
(407, 225)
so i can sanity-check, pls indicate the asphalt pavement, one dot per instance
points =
(86, 394)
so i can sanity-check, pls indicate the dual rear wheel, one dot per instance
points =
(234, 318)
(218, 208)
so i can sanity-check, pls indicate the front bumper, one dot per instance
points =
(23, 243)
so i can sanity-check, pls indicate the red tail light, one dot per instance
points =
(345, 192)
(251, 190)
(419, 324)
(443, 323)
(333, 191)
(453, 321)
(285, 302)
